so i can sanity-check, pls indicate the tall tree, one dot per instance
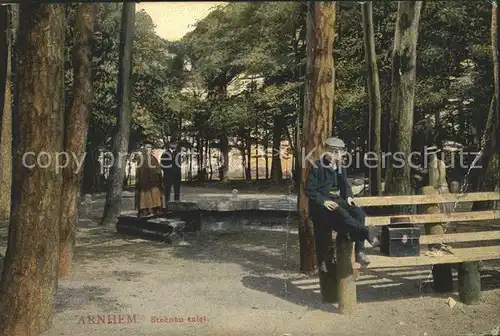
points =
(29, 276)
(496, 67)
(76, 126)
(6, 39)
(404, 57)
(488, 177)
(492, 125)
(373, 86)
(319, 113)
(124, 117)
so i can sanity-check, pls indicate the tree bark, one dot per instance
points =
(199, 157)
(75, 137)
(205, 156)
(243, 161)
(249, 158)
(266, 155)
(190, 177)
(224, 148)
(404, 58)
(307, 242)
(6, 114)
(209, 155)
(319, 99)
(29, 276)
(91, 173)
(375, 174)
(276, 169)
(4, 55)
(256, 153)
(495, 36)
(124, 117)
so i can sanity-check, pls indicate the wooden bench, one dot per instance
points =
(339, 284)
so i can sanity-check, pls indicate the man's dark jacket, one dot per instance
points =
(171, 165)
(322, 179)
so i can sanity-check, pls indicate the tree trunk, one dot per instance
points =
(190, 177)
(205, 156)
(404, 58)
(495, 36)
(437, 127)
(249, 158)
(90, 172)
(224, 148)
(210, 160)
(6, 114)
(4, 56)
(318, 111)
(76, 127)
(299, 110)
(276, 169)
(121, 136)
(243, 160)
(375, 173)
(29, 277)
(199, 162)
(267, 158)
(256, 153)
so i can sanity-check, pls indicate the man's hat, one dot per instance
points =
(335, 142)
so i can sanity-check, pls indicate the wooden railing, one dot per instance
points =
(427, 199)
(438, 218)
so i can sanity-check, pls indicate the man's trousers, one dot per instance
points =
(345, 220)
(176, 184)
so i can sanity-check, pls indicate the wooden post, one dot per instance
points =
(441, 274)
(469, 283)
(328, 280)
(346, 280)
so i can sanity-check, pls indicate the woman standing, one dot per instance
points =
(148, 186)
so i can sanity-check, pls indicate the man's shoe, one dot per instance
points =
(323, 267)
(375, 242)
(362, 259)
(373, 236)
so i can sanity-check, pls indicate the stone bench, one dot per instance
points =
(155, 228)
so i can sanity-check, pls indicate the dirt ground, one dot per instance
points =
(243, 283)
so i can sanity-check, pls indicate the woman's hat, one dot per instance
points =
(452, 146)
(433, 149)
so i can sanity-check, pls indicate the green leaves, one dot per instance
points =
(203, 80)
(157, 74)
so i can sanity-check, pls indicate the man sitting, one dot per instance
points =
(331, 203)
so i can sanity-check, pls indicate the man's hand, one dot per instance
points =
(330, 205)
(350, 201)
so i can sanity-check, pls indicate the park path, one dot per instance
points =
(244, 284)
